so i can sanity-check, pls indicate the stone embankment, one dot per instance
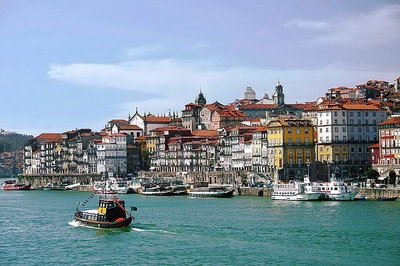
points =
(374, 193)
(40, 181)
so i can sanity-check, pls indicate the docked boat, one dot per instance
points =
(157, 191)
(336, 190)
(179, 190)
(387, 199)
(111, 213)
(215, 192)
(111, 186)
(297, 191)
(102, 187)
(119, 185)
(13, 185)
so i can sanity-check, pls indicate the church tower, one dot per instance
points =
(200, 100)
(279, 97)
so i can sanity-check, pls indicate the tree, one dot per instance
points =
(372, 174)
(392, 177)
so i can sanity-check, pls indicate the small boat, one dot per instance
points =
(215, 192)
(387, 199)
(103, 187)
(179, 190)
(297, 191)
(336, 190)
(119, 185)
(157, 191)
(13, 185)
(111, 213)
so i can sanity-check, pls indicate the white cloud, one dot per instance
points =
(306, 24)
(174, 83)
(379, 27)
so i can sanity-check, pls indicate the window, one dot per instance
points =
(289, 131)
(351, 113)
(298, 141)
(335, 113)
(306, 140)
(343, 113)
(298, 130)
(336, 129)
(336, 121)
(373, 114)
(320, 130)
(306, 130)
(327, 129)
(344, 129)
(290, 141)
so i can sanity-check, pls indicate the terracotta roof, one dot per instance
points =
(375, 146)
(205, 133)
(119, 120)
(49, 136)
(144, 137)
(118, 135)
(129, 127)
(394, 120)
(160, 119)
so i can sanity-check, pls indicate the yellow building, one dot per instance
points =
(291, 147)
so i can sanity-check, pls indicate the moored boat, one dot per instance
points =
(103, 187)
(387, 199)
(336, 190)
(157, 191)
(297, 191)
(215, 192)
(111, 213)
(13, 185)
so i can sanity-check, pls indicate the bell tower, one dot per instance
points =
(279, 97)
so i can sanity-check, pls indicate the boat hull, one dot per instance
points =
(387, 199)
(226, 194)
(343, 196)
(297, 197)
(157, 193)
(27, 187)
(117, 224)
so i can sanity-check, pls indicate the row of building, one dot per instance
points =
(265, 136)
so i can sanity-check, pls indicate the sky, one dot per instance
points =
(70, 64)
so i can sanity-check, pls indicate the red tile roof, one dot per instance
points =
(49, 136)
(129, 127)
(157, 119)
(394, 120)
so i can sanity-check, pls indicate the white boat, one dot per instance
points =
(296, 191)
(119, 185)
(157, 191)
(103, 187)
(111, 186)
(336, 190)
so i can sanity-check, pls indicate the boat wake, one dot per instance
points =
(152, 230)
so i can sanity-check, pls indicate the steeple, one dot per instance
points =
(279, 97)
(201, 100)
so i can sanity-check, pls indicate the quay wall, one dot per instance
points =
(39, 181)
(374, 193)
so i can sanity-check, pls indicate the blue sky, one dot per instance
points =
(73, 64)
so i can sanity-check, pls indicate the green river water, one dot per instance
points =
(243, 230)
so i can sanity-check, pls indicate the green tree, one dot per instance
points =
(372, 174)
(392, 177)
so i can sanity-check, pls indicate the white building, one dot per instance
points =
(112, 154)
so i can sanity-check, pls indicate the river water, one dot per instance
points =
(244, 230)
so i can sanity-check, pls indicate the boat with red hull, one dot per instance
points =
(13, 185)
(111, 213)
